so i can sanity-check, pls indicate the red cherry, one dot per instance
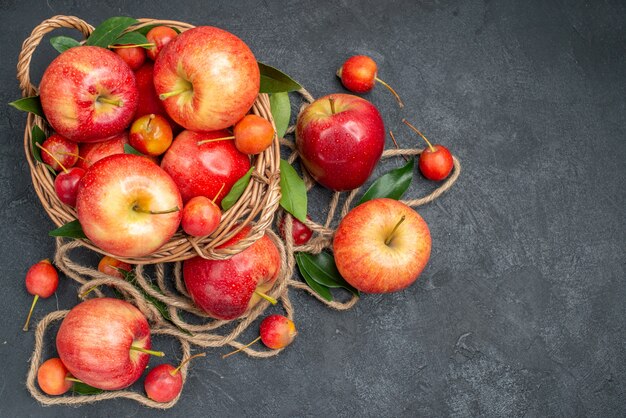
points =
(112, 266)
(201, 216)
(300, 232)
(58, 151)
(277, 331)
(66, 185)
(436, 161)
(42, 280)
(134, 56)
(52, 377)
(164, 382)
(159, 36)
(359, 74)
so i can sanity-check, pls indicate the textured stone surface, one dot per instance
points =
(521, 310)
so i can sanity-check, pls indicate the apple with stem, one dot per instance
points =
(42, 281)
(159, 36)
(53, 377)
(201, 216)
(164, 382)
(151, 134)
(113, 267)
(359, 74)
(340, 138)
(276, 332)
(105, 342)
(436, 161)
(128, 206)
(381, 246)
(59, 151)
(88, 94)
(226, 289)
(207, 78)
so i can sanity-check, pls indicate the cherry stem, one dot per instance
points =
(145, 350)
(407, 123)
(393, 231)
(397, 96)
(117, 103)
(242, 348)
(218, 193)
(176, 370)
(73, 379)
(206, 141)
(88, 291)
(164, 96)
(149, 45)
(150, 118)
(35, 299)
(266, 297)
(52, 156)
(136, 208)
(393, 138)
(332, 105)
(72, 154)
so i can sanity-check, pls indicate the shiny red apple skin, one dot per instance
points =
(201, 217)
(225, 288)
(63, 150)
(90, 153)
(66, 185)
(277, 331)
(358, 73)
(200, 170)
(436, 164)
(161, 385)
(220, 69)
(363, 258)
(71, 86)
(340, 150)
(110, 196)
(94, 343)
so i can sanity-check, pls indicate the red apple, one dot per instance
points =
(202, 170)
(340, 138)
(92, 152)
(102, 342)
(207, 78)
(59, 152)
(381, 246)
(226, 289)
(88, 94)
(128, 206)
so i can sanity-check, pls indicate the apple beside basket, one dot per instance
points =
(255, 207)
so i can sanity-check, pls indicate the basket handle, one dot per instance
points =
(29, 45)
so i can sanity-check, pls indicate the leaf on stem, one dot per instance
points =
(237, 190)
(392, 185)
(293, 191)
(275, 81)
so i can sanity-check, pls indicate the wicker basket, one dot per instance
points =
(256, 206)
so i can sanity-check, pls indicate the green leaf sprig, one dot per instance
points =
(71, 229)
(237, 190)
(293, 191)
(275, 81)
(321, 274)
(30, 104)
(281, 112)
(392, 185)
(108, 32)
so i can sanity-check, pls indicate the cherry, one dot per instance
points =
(42, 280)
(59, 151)
(436, 161)
(132, 55)
(300, 232)
(359, 74)
(112, 266)
(253, 134)
(66, 185)
(159, 36)
(201, 215)
(276, 331)
(151, 134)
(164, 382)
(54, 378)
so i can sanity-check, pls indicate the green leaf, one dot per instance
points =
(293, 191)
(321, 290)
(80, 388)
(30, 104)
(63, 43)
(144, 30)
(275, 81)
(281, 111)
(109, 30)
(128, 149)
(71, 229)
(391, 185)
(37, 137)
(236, 191)
(322, 268)
(132, 38)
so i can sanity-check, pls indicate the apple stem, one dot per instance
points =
(242, 348)
(73, 379)
(35, 299)
(393, 138)
(117, 103)
(331, 100)
(52, 156)
(136, 208)
(393, 231)
(164, 96)
(266, 297)
(397, 96)
(407, 123)
(206, 141)
(176, 370)
(150, 118)
(145, 350)
(218, 193)
(149, 45)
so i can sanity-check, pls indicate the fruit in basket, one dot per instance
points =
(66, 185)
(151, 134)
(164, 382)
(42, 281)
(113, 266)
(207, 78)
(225, 289)
(201, 168)
(105, 342)
(148, 101)
(128, 206)
(201, 216)
(359, 74)
(381, 246)
(52, 377)
(134, 56)
(435, 162)
(88, 94)
(340, 138)
(59, 151)
(92, 152)
(159, 36)
(253, 134)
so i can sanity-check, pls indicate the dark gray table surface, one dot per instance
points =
(520, 311)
